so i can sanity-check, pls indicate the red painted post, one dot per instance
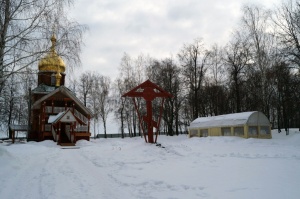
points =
(149, 121)
(139, 116)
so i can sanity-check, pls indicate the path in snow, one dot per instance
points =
(213, 167)
(54, 173)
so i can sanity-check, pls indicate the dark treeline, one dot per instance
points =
(257, 70)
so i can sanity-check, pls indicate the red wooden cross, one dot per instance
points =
(149, 91)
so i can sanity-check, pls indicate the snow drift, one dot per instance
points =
(211, 167)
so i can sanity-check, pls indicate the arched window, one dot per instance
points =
(53, 80)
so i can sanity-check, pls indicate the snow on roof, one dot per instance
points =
(42, 88)
(53, 118)
(235, 119)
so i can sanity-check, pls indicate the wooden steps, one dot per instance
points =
(67, 144)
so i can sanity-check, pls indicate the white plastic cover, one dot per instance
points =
(254, 118)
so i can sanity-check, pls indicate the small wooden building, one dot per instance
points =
(247, 125)
(56, 113)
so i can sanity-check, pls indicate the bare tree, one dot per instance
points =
(237, 58)
(73, 84)
(85, 84)
(94, 89)
(193, 59)
(119, 90)
(92, 92)
(131, 73)
(168, 77)
(256, 23)
(11, 103)
(127, 77)
(287, 24)
(104, 101)
(283, 80)
(215, 90)
(25, 29)
(216, 70)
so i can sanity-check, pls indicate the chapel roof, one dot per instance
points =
(64, 91)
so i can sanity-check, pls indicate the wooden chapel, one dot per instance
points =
(56, 113)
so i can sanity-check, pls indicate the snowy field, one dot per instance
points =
(212, 167)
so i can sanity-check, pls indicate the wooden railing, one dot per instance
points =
(56, 109)
(49, 128)
(81, 129)
(80, 116)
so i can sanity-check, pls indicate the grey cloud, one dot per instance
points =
(155, 27)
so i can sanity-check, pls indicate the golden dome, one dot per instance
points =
(52, 62)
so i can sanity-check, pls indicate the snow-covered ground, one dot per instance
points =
(212, 167)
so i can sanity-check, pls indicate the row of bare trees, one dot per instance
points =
(258, 69)
(94, 91)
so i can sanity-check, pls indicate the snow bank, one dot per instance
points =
(212, 167)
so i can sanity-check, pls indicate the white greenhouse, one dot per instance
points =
(247, 125)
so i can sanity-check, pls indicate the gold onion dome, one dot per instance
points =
(52, 62)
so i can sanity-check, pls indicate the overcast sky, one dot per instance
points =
(158, 28)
